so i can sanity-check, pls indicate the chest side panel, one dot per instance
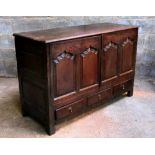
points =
(31, 64)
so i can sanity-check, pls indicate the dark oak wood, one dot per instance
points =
(63, 72)
(103, 95)
(59, 34)
(70, 109)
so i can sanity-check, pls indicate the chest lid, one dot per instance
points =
(59, 34)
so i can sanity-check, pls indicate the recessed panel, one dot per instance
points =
(127, 55)
(64, 77)
(89, 68)
(110, 61)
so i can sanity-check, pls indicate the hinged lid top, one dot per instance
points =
(57, 34)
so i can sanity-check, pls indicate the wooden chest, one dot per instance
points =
(63, 72)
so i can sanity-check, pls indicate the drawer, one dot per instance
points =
(99, 97)
(123, 87)
(70, 109)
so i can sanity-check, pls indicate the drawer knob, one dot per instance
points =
(123, 87)
(99, 96)
(70, 109)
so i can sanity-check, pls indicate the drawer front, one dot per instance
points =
(99, 97)
(70, 109)
(122, 88)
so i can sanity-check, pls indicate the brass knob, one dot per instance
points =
(70, 109)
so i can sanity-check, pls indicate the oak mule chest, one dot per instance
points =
(63, 72)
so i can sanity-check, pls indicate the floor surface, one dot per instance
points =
(122, 117)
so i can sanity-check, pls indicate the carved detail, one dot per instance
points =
(89, 50)
(63, 55)
(127, 41)
(110, 45)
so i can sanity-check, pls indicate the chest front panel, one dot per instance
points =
(117, 53)
(75, 64)
(81, 64)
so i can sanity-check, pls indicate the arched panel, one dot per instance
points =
(127, 55)
(110, 63)
(64, 77)
(89, 67)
